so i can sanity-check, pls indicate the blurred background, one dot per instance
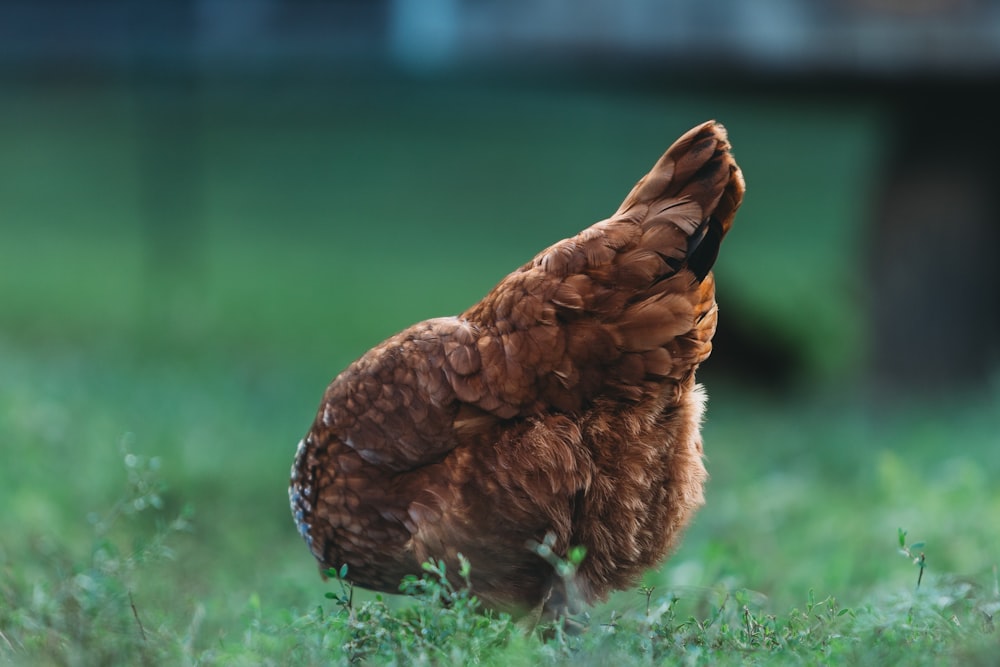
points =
(202, 173)
(209, 207)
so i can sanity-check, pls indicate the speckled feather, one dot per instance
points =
(564, 403)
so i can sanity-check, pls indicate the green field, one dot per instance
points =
(149, 410)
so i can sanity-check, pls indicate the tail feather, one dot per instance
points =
(703, 247)
(687, 202)
(627, 298)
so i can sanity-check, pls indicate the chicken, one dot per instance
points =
(561, 409)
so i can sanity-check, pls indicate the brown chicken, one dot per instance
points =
(561, 407)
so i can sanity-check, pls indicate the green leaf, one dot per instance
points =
(343, 571)
(902, 538)
(576, 554)
(465, 567)
(916, 545)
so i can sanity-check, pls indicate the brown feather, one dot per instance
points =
(564, 404)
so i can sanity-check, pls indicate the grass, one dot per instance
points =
(148, 420)
(163, 487)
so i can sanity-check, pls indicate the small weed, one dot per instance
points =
(444, 624)
(911, 552)
(66, 614)
(345, 598)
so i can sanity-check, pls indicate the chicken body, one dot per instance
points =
(564, 404)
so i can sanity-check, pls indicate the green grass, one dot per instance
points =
(164, 487)
(148, 417)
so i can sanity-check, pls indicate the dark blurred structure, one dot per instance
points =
(935, 310)
(856, 37)
(934, 287)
